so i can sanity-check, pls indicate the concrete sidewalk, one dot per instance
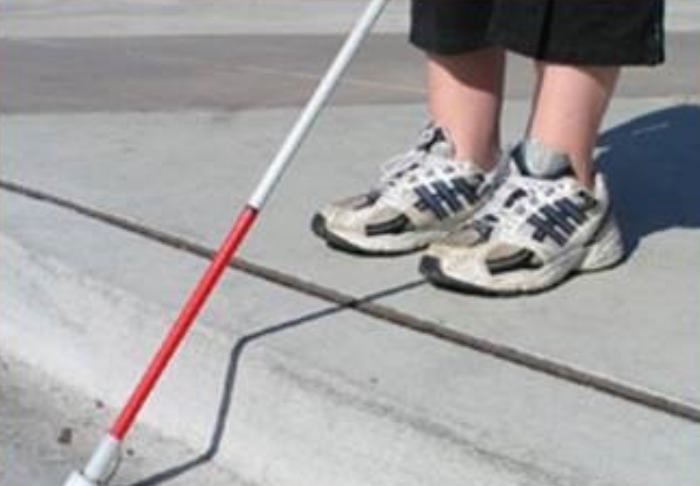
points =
(386, 406)
(46, 429)
(124, 158)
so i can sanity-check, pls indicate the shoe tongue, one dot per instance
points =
(436, 141)
(534, 159)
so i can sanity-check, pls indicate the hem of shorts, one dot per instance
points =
(446, 47)
(589, 57)
(585, 57)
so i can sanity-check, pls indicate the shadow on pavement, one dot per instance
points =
(224, 407)
(652, 164)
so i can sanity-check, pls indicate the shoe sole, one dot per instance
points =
(429, 267)
(603, 254)
(320, 229)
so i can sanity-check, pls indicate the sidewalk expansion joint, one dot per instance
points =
(616, 388)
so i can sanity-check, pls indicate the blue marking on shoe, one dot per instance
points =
(431, 201)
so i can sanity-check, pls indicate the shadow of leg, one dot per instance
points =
(652, 164)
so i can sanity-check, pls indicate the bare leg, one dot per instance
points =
(464, 96)
(568, 111)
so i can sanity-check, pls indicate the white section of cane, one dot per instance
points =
(318, 100)
(102, 463)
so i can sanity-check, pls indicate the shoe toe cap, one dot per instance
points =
(318, 225)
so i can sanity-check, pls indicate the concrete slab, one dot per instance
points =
(682, 15)
(187, 173)
(386, 406)
(47, 429)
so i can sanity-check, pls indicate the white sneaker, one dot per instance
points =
(540, 226)
(422, 195)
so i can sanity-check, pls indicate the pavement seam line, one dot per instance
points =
(626, 391)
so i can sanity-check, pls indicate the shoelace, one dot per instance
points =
(397, 167)
(513, 202)
(414, 168)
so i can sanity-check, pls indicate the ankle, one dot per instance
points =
(586, 178)
(538, 159)
(486, 160)
(578, 159)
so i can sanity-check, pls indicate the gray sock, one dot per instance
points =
(533, 158)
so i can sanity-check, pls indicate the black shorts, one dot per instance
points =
(592, 32)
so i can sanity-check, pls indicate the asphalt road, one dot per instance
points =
(237, 72)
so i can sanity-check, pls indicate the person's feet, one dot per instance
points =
(540, 226)
(422, 196)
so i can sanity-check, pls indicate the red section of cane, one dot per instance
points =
(180, 327)
(102, 462)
